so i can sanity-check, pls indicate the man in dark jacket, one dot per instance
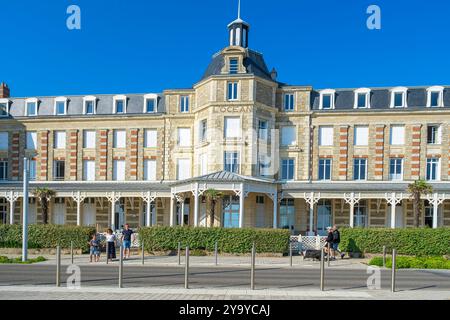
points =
(329, 240)
(336, 241)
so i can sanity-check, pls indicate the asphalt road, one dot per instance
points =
(221, 278)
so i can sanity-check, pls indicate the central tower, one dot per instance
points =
(239, 31)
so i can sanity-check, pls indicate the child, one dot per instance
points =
(94, 245)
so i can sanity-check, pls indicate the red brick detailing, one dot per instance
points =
(15, 154)
(150, 158)
(119, 158)
(415, 152)
(103, 155)
(343, 152)
(133, 154)
(73, 146)
(43, 155)
(379, 152)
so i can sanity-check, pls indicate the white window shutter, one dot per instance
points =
(150, 170)
(60, 139)
(120, 138)
(398, 135)
(151, 138)
(119, 170)
(89, 139)
(326, 136)
(89, 170)
(31, 140)
(288, 136)
(232, 127)
(203, 164)
(4, 142)
(361, 136)
(184, 137)
(184, 169)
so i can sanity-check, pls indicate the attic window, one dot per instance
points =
(435, 97)
(150, 103)
(4, 107)
(31, 107)
(399, 98)
(120, 104)
(89, 105)
(327, 98)
(362, 99)
(234, 66)
(60, 106)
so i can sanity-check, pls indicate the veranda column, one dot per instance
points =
(275, 209)
(148, 198)
(181, 219)
(12, 198)
(172, 200)
(196, 204)
(393, 199)
(351, 199)
(241, 206)
(311, 199)
(436, 200)
(113, 198)
(78, 198)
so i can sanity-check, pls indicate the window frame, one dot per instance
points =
(225, 128)
(4, 168)
(94, 105)
(146, 140)
(56, 142)
(147, 97)
(392, 176)
(7, 134)
(440, 91)
(356, 135)
(203, 131)
(235, 161)
(234, 91)
(404, 92)
(35, 141)
(320, 135)
(290, 164)
(357, 174)
(85, 134)
(85, 171)
(332, 94)
(362, 91)
(289, 102)
(55, 106)
(118, 98)
(231, 70)
(57, 170)
(391, 142)
(429, 170)
(115, 145)
(36, 106)
(6, 103)
(322, 169)
(180, 136)
(184, 104)
(438, 134)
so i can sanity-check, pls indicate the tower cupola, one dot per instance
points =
(239, 31)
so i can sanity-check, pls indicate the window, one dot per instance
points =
(151, 138)
(230, 211)
(184, 137)
(150, 103)
(324, 169)
(288, 136)
(183, 169)
(3, 170)
(4, 108)
(287, 214)
(434, 134)
(360, 169)
(89, 170)
(428, 214)
(59, 169)
(433, 169)
(31, 107)
(287, 169)
(31, 140)
(120, 106)
(89, 137)
(360, 215)
(60, 140)
(120, 137)
(232, 128)
(89, 105)
(231, 162)
(232, 91)
(289, 102)
(60, 106)
(362, 98)
(33, 171)
(184, 103)
(234, 66)
(260, 199)
(326, 136)
(4, 140)
(264, 166)
(119, 170)
(262, 130)
(203, 130)
(396, 169)
(150, 170)
(399, 97)
(397, 135)
(361, 136)
(435, 97)
(203, 160)
(327, 99)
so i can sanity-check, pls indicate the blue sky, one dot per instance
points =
(148, 46)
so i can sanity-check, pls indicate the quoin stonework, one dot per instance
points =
(284, 156)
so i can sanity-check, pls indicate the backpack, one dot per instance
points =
(336, 236)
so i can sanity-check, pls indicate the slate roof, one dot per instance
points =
(105, 104)
(380, 98)
(224, 177)
(254, 62)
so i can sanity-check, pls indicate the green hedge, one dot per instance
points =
(46, 236)
(417, 241)
(413, 262)
(229, 240)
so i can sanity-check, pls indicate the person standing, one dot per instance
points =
(336, 241)
(126, 241)
(329, 245)
(111, 240)
(94, 248)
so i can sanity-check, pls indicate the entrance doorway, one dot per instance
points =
(120, 214)
(59, 211)
(89, 212)
(260, 212)
(230, 211)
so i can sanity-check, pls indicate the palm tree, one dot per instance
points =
(417, 189)
(44, 195)
(213, 196)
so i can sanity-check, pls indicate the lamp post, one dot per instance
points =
(25, 210)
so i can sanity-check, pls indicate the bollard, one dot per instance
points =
(58, 266)
(328, 254)
(322, 271)
(252, 274)
(384, 256)
(216, 252)
(394, 265)
(143, 253)
(186, 270)
(179, 253)
(290, 253)
(107, 252)
(121, 268)
(71, 250)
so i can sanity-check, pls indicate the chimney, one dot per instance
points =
(274, 74)
(4, 90)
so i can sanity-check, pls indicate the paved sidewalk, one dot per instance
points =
(100, 293)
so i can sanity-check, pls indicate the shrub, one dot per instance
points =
(46, 236)
(6, 260)
(413, 262)
(417, 241)
(228, 240)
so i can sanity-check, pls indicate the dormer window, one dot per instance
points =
(120, 104)
(4, 107)
(60, 106)
(234, 66)
(399, 98)
(89, 105)
(327, 99)
(184, 104)
(150, 103)
(31, 107)
(435, 97)
(362, 99)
